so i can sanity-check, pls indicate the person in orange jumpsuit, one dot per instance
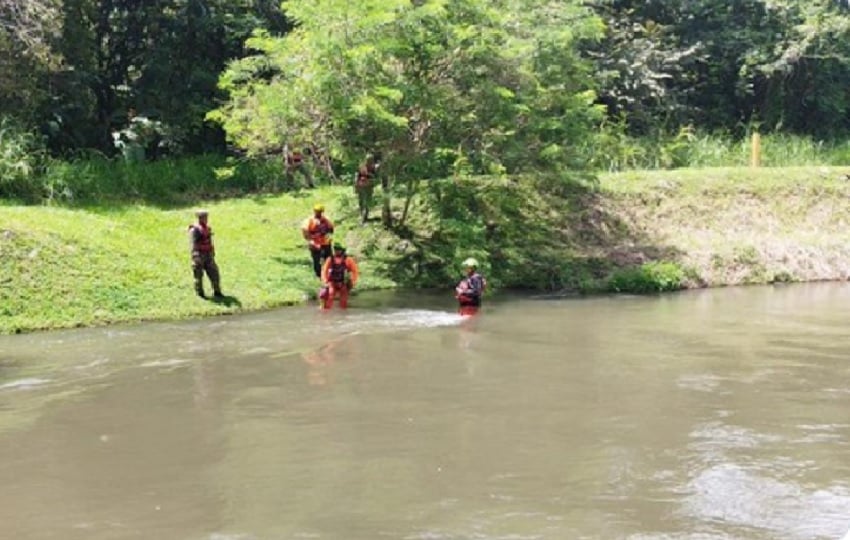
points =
(470, 289)
(317, 230)
(339, 276)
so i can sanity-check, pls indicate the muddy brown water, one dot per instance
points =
(708, 415)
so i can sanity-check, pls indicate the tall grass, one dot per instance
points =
(612, 149)
(28, 174)
(21, 160)
(169, 182)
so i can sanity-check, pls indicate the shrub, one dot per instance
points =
(171, 180)
(651, 277)
(21, 158)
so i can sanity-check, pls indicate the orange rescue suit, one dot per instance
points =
(339, 274)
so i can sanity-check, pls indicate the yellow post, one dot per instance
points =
(755, 156)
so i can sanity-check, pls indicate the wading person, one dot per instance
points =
(339, 275)
(470, 289)
(203, 255)
(317, 230)
(364, 185)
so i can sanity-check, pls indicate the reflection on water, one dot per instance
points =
(705, 415)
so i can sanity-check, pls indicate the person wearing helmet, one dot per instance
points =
(317, 230)
(364, 184)
(203, 255)
(339, 275)
(470, 289)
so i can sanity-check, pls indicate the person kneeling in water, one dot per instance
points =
(468, 292)
(339, 275)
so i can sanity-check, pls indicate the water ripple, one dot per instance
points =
(730, 494)
(24, 384)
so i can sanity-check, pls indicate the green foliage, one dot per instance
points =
(21, 158)
(433, 85)
(442, 86)
(724, 65)
(614, 149)
(639, 65)
(512, 225)
(166, 182)
(161, 57)
(28, 30)
(651, 277)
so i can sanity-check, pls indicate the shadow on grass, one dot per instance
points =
(175, 201)
(294, 259)
(226, 300)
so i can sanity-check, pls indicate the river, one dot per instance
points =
(707, 415)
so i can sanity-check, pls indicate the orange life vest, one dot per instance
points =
(319, 228)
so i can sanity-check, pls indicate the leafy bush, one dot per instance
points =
(21, 158)
(166, 181)
(651, 277)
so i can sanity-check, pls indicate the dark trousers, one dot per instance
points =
(319, 255)
(301, 169)
(364, 200)
(205, 262)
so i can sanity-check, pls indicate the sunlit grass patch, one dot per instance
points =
(69, 267)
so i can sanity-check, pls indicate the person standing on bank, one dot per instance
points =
(317, 230)
(203, 255)
(339, 275)
(364, 184)
(470, 289)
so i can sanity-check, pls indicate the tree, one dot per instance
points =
(807, 80)
(161, 57)
(31, 23)
(27, 28)
(725, 64)
(435, 85)
(642, 70)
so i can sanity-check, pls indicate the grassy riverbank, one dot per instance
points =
(64, 267)
(85, 266)
(736, 226)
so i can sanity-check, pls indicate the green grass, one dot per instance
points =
(77, 267)
(729, 180)
(611, 149)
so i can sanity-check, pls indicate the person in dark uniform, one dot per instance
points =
(364, 184)
(295, 163)
(203, 255)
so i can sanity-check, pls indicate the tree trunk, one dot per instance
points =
(412, 189)
(386, 209)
